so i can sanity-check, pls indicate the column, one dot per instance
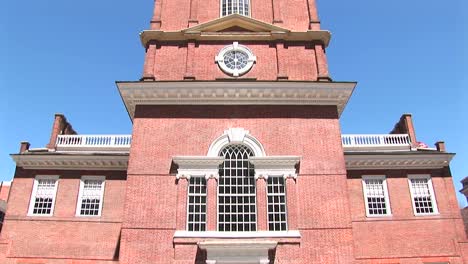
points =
(193, 18)
(190, 60)
(280, 62)
(277, 19)
(322, 65)
(156, 20)
(212, 197)
(291, 200)
(314, 22)
(262, 224)
(182, 191)
(148, 68)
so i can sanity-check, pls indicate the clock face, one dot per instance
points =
(235, 59)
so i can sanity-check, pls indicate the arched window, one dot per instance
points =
(241, 7)
(236, 190)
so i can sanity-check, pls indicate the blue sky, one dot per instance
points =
(62, 56)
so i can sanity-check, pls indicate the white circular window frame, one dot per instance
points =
(235, 47)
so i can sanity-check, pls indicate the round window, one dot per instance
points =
(235, 59)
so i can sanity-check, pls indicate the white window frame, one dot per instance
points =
(32, 200)
(80, 194)
(277, 194)
(431, 191)
(235, 47)
(200, 222)
(386, 196)
(238, 6)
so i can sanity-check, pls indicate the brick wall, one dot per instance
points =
(161, 132)
(287, 60)
(404, 235)
(175, 15)
(64, 235)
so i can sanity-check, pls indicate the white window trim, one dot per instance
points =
(387, 199)
(235, 47)
(285, 200)
(431, 190)
(80, 194)
(221, 9)
(187, 202)
(34, 192)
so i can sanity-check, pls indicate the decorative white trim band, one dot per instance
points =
(197, 166)
(70, 162)
(275, 166)
(397, 161)
(234, 93)
(256, 234)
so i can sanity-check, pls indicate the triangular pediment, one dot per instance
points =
(235, 23)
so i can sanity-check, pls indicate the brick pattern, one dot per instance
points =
(196, 61)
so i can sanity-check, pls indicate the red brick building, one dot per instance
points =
(236, 156)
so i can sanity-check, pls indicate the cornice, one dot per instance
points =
(217, 30)
(321, 36)
(397, 161)
(197, 166)
(271, 166)
(201, 162)
(275, 162)
(235, 93)
(71, 162)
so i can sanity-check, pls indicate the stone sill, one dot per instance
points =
(282, 237)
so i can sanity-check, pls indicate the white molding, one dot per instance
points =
(80, 194)
(71, 161)
(431, 190)
(237, 251)
(235, 47)
(256, 234)
(34, 192)
(397, 161)
(234, 93)
(197, 166)
(236, 136)
(386, 196)
(275, 166)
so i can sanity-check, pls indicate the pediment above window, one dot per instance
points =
(235, 23)
(235, 27)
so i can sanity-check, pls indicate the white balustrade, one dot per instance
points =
(93, 142)
(376, 142)
(122, 142)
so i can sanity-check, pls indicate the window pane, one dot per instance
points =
(229, 7)
(374, 190)
(276, 204)
(44, 196)
(236, 190)
(196, 216)
(91, 195)
(422, 196)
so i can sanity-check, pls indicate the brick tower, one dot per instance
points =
(235, 137)
(236, 156)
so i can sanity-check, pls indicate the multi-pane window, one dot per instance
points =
(236, 190)
(196, 217)
(241, 7)
(376, 196)
(422, 194)
(276, 204)
(90, 196)
(43, 196)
